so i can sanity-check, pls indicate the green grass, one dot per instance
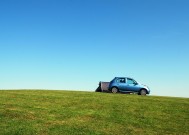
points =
(42, 112)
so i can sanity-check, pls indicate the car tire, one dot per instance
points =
(143, 92)
(115, 90)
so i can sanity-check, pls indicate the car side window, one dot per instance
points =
(130, 81)
(121, 80)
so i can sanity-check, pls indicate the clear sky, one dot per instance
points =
(74, 44)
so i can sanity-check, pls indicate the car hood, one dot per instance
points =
(145, 86)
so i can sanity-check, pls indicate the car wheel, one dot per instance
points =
(115, 90)
(143, 92)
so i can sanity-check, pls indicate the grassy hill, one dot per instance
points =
(66, 112)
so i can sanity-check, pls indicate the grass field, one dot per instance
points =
(42, 112)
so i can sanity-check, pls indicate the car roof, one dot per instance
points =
(124, 77)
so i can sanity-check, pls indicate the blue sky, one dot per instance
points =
(74, 44)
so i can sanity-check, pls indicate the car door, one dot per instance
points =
(131, 85)
(121, 84)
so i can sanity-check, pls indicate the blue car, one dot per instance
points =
(129, 85)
